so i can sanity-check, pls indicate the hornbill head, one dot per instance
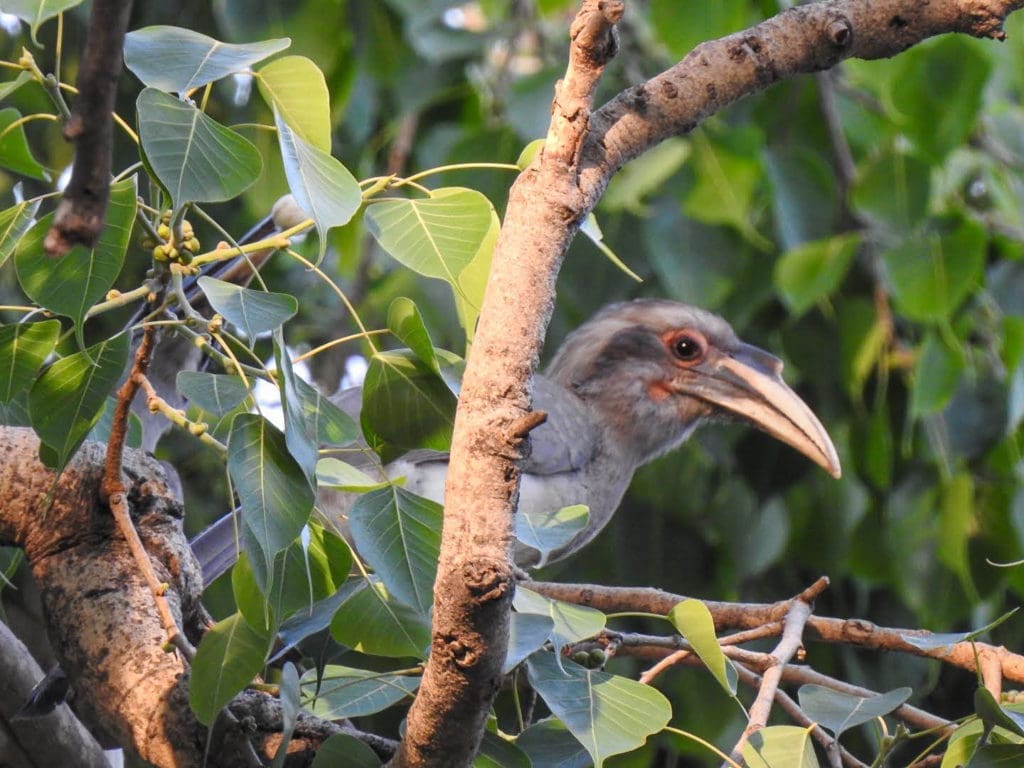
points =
(656, 369)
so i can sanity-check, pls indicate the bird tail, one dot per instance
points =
(216, 547)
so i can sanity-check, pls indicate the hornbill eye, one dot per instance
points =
(688, 347)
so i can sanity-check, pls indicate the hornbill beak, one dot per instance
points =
(747, 382)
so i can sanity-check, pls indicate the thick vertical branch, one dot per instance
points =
(80, 215)
(473, 592)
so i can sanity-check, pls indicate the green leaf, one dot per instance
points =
(527, 633)
(469, 296)
(436, 237)
(230, 655)
(213, 392)
(935, 641)
(321, 185)
(547, 531)
(405, 405)
(14, 223)
(891, 192)
(812, 271)
(608, 714)
(343, 749)
(993, 715)
(645, 176)
(334, 473)
(572, 623)
(804, 196)
(177, 60)
(308, 571)
(936, 376)
(341, 692)
(330, 425)
(780, 746)
(69, 397)
(251, 311)
(498, 752)
(276, 500)
(35, 12)
(288, 695)
(71, 284)
(727, 173)
(23, 348)
(839, 712)
(194, 157)
(682, 27)
(399, 534)
(997, 756)
(300, 434)
(295, 88)
(15, 154)
(406, 323)
(931, 275)
(693, 620)
(374, 622)
(936, 93)
(10, 86)
(549, 744)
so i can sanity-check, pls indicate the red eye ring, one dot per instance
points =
(687, 346)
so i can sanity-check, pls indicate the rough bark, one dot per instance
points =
(100, 616)
(80, 215)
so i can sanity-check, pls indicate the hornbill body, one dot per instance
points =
(630, 384)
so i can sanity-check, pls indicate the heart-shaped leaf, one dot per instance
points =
(571, 622)
(23, 348)
(693, 620)
(839, 712)
(340, 692)
(14, 223)
(177, 60)
(195, 158)
(295, 87)
(607, 713)
(251, 311)
(374, 622)
(230, 655)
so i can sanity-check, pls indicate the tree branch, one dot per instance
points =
(80, 215)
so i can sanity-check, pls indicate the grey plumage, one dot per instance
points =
(630, 384)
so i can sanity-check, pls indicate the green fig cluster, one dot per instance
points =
(166, 248)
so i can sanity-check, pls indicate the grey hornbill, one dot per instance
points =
(630, 384)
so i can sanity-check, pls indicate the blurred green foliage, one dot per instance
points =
(865, 224)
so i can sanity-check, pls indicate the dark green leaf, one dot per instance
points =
(891, 192)
(325, 422)
(527, 633)
(276, 499)
(376, 623)
(405, 405)
(195, 158)
(15, 154)
(607, 713)
(230, 655)
(300, 435)
(936, 375)
(178, 60)
(342, 749)
(931, 275)
(71, 284)
(288, 695)
(213, 392)
(14, 223)
(253, 312)
(498, 752)
(804, 198)
(839, 712)
(938, 119)
(550, 745)
(547, 531)
(23, 348)
(571, 622)
(69, 397)
(341, 692)
(399, 534)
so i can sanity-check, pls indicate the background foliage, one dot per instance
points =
(880, 256)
